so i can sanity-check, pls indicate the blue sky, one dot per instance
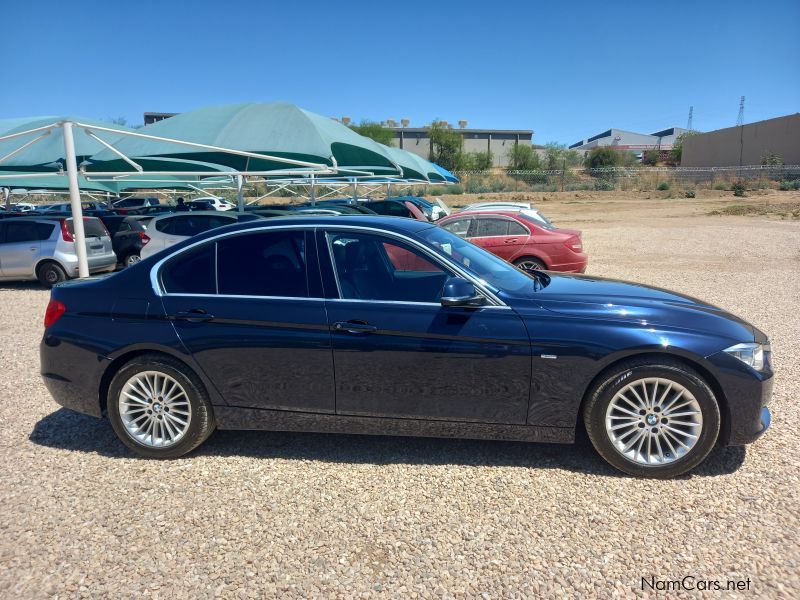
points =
(566, 70)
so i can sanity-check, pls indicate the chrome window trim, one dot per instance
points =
(156, 268)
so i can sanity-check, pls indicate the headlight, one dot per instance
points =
(751, 353)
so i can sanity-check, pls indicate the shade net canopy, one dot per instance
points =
(278, 129)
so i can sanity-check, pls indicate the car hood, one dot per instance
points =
(587, 297)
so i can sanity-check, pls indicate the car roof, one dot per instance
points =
(483, 211)
(195, 213)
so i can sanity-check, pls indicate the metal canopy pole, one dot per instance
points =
(75, 200)
(313, 193)
(388, 190)
(355, 190)
(240, 193)
(7, 198)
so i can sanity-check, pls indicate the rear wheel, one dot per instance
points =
(530, 264)
(50, 273)
(652, 419)
(159, 408)
(130, 259)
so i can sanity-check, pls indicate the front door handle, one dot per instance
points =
(354, 327)
(512, 241)
(195, 315)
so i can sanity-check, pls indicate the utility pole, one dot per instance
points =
(689, 122)
(740, 118)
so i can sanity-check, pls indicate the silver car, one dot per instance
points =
(44, 248)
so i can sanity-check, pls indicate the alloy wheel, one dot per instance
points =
(154, 409)
(529, 265)
(653, 421)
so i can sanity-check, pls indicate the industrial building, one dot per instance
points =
(496, 141)
(745, 144)
(621, 139)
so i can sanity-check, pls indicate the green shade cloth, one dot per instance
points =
(48, 153)
(278, 129)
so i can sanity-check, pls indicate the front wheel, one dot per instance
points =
(652, 418)
(159, 408)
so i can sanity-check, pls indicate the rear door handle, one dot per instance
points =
(195, 315)
(354, 327)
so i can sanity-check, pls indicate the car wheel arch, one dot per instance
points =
(48, 261)
(532, 256)
(121, 360)
(668, 357)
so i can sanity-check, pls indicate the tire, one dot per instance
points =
(666, 389)
(134, 383)
(130, 260)
(50, 273)
(529, 263)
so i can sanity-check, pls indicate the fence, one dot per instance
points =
(628, 178)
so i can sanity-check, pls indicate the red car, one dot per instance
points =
(523, 237)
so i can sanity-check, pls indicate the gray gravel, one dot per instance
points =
(260, 514)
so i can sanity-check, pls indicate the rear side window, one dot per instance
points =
(515, 228)
(191, 272)
(393, 209)
(164, 225)
(91, 227)
(189, 225)
(263, 264)
(28, 231)
(490, 227)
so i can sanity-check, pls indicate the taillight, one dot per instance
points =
(65, 234)
(55, 309)
(574, 243)
(144, 237)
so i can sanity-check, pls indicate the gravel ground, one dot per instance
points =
(262, 514)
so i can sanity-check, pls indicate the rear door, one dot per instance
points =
(256, 324)
(492, 234)
(20, 247)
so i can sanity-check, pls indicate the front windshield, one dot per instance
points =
(495, 272)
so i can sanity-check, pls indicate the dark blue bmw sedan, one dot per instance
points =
(391, 326)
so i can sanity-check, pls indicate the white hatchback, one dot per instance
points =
(171, 228)
(217, 203)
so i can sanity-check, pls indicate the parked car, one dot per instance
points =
(128, 237)
(393, 326)
(133, 202)
(432, 212)
(211, 203)
(396, 208)
(23, 207)
(66, 208)
(167, 230)
(498, 205)
(43, 248)
(528, 242)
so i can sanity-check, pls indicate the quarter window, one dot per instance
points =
(263, 264)
(371, 267)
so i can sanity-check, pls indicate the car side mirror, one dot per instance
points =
(460, 292)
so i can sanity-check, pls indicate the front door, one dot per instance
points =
(399, 353)
(250, 310)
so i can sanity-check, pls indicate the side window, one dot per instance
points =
(515, 228)
(44, 230)
(491, 227)
(263, 264)
(460, 227)
(165, 225)
(191, 272)
(371, 267)
(123, 227)
(21, 232)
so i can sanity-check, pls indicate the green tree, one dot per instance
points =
(602, 157)
(651, 157)
(374, 131)
(476, 161)
(676, 154)
(522, 157)
(446, 146)
(771, 159)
